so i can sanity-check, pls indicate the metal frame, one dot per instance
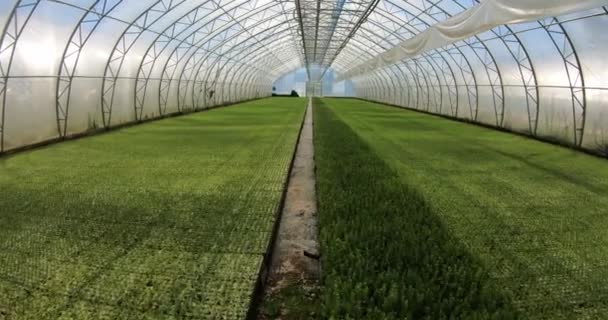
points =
(560, 38)
(11, 33)
(121, 48)
(237, 47)
(153, 53)
(87, 24)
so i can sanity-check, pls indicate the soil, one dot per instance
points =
(296, 252)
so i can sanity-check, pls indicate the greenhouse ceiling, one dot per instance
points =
(71, 66)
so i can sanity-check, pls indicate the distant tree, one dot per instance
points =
(294, 93)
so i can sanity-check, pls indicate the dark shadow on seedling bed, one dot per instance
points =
(385, 253)
(86, 257)
(558, 173)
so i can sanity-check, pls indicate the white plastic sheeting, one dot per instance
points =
(70, 66)
(543, 78)
(482, 17)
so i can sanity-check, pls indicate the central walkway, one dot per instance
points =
(296, 250)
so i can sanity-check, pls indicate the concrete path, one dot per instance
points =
(296, 248)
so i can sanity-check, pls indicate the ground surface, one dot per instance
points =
(522, 223)
(160, 221)
(293, 277)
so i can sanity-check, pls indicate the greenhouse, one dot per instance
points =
(306, 159)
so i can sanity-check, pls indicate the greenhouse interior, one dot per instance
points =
(305, 159)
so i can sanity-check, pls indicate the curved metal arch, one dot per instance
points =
(68, 63)
(493, 73)
(177, 56)
(381, 47)
(199, 64)
(527, 72)
(423, 71)
(180, 51)
(358, 55)
(472, 96)
(406, 26)
(526, 69)
(276, 71)
(392, 91)
(366, 87)
(197, 72)
(237, 50)
(291, 63)
(371, 87)
(436, 86)
(360, 88)
(374, 86)
(253, 85)
(220, 82)
(417, 82)
(398, 86)
(157, 33)
(278, 46)
(423, 93)
(245, 87)
(258, 45)
(408, 90)
(468, 76)
(123, 45)
(280, 69)
(450, 82)
(562, 42)
(250, 82)
(487, 60)
(433, 68)
(163, 39)
(384, 89)
(254, 61)
(452, 90)
(379, 86)
(463, 63)
(225, 58)
(347, 53)
(240, 78)
(443, 68)
(414, 77)
(15, 24)
(242, 30)
(368, 91)
(386, 81)
(220, 44)
(392, 84)
(246, 28)
(409, 24)
(417, 85)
